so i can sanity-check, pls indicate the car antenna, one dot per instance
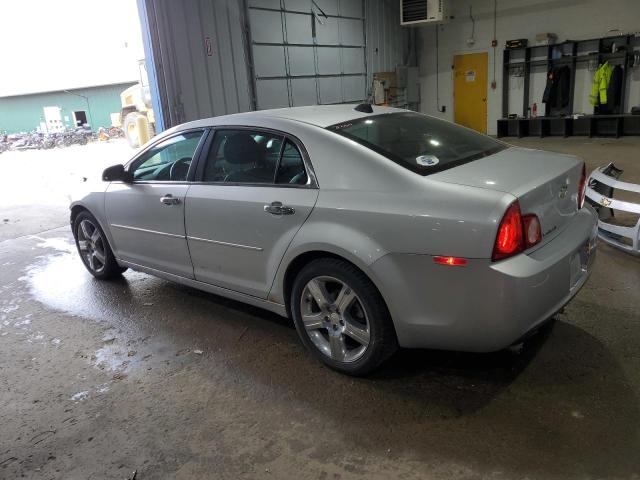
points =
(364, 108)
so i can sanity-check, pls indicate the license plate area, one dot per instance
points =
(580, 263)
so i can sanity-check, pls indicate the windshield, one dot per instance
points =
(419, 143)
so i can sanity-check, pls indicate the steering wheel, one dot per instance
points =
(180, 169)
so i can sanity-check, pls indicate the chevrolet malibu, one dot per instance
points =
(370, 227)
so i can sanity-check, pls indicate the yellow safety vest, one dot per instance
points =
(600, 83)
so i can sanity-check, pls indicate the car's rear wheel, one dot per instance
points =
(94, 248)
(341, 317)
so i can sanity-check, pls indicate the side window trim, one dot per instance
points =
(133, 162)
(199, 157)
(275, 172)
(312, 179)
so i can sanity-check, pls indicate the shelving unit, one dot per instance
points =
(559, 121)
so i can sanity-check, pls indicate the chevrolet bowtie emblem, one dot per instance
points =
(563, 191)
(605, 202)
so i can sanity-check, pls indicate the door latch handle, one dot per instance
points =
(169, 200)
(277, 208)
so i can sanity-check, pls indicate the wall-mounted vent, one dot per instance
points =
(414, 12)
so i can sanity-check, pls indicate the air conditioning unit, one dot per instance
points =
(416, 12)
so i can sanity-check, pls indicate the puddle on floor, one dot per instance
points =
(61, 282)
(133, 308)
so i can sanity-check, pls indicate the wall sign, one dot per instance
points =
(470, 75)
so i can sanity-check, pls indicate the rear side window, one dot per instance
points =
(254, 157)
(419, 143)
(291, 168)
(243, 156)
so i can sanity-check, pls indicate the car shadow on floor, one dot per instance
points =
(564, 407)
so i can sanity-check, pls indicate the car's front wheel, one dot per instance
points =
(341, 317)
(94, 248)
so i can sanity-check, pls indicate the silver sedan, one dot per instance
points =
(370, 227)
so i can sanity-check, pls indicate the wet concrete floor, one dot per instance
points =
(101, 379)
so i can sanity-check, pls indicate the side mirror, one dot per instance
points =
(117, 173)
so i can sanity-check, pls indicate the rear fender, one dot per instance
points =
(319, 236)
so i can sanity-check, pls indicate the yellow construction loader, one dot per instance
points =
(136, 116)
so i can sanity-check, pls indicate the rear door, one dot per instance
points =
(146, 217)
(254, 191)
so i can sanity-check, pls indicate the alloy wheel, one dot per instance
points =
(335, 319)
(91, 246)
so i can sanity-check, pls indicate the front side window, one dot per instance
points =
(243, 156)
(168, 160)
(419, 143)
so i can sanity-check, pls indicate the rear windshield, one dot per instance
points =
(419, 143)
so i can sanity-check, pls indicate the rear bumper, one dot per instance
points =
(485, 306)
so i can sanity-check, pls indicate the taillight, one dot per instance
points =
(509, 240)
(532, 230)
(516, 233)
(582, 187)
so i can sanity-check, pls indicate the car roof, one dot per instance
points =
(319, 115)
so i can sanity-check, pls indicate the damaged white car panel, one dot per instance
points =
(600, 191)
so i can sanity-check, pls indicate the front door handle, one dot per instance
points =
(277, 208)
(169, 200)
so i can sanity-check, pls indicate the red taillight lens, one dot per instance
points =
(451, 261)
(582, 187)
(510, 238)
(532, 231)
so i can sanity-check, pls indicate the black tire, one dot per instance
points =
(109, 268)
(382, 341)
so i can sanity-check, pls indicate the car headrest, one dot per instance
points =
(241, 148)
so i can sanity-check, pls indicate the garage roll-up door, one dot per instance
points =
(307, 52)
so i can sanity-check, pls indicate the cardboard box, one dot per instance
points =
(546, 38)
(388, 79)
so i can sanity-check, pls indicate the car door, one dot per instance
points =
(146, 216)
(254, 191)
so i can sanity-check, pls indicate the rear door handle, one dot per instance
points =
(169, 200)
(277, 208)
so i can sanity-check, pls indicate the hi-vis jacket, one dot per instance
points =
(601, 81)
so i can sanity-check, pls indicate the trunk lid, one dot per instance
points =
(544, 183)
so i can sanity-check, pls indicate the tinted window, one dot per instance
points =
(291, 168)
(243, 156)
(422, 144)
(168, 160)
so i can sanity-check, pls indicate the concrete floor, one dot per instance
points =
(98, 380)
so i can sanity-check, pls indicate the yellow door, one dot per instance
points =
(470, 90)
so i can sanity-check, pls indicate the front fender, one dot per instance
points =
(94, 203)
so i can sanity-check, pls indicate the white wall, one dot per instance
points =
(569, 19)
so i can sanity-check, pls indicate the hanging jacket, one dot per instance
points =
(549, 95)
(564, 87)
(558, 88)
(600, 83)
(614, 91)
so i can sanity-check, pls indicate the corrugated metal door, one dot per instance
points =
(200, 58)
(307, 52)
